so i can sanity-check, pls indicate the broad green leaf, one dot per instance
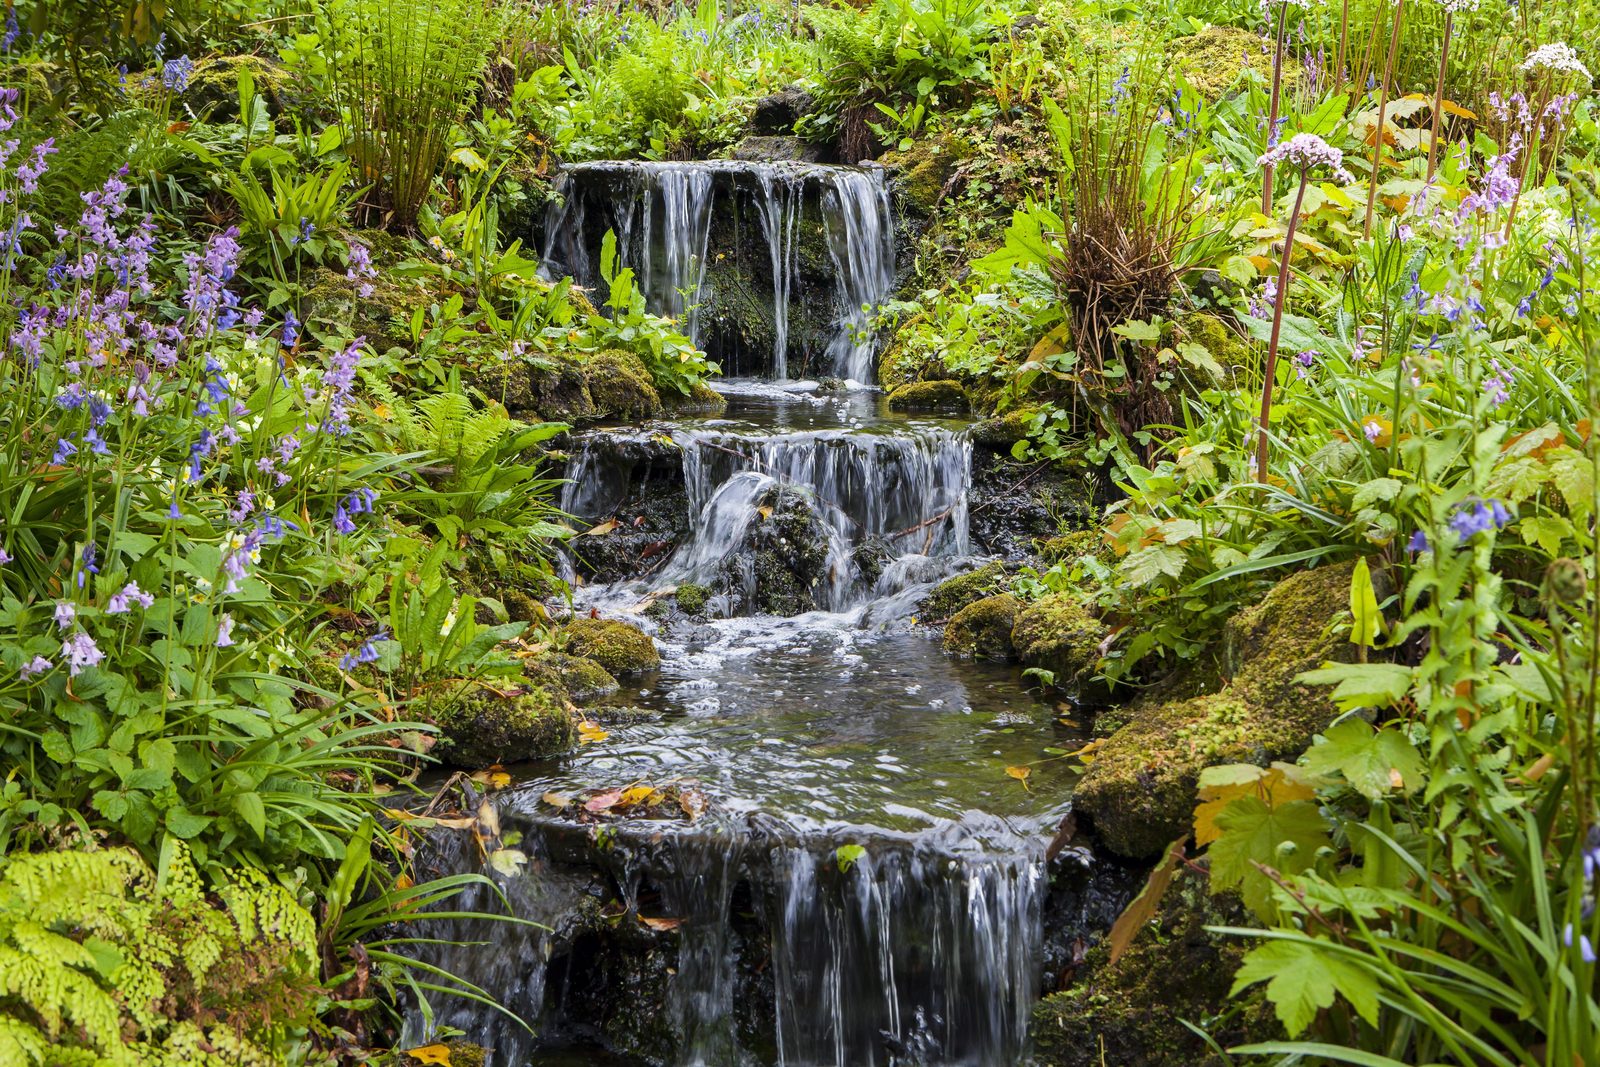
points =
(847, 856)
(1362, 685)
(183, 823)
(1301, 980)
(1369, 493)
(1147, 564)
(1364, 607)
(1285, 838)
(249, 807)
(1549, 532)
(1374, 762)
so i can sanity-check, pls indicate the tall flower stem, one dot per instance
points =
(1438, 95)
(1344, 36)
(1271, 373)
(1268, 172)
(1383, 107)
(1530, 152)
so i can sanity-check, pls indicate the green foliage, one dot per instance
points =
(672, 359)
(105, 961)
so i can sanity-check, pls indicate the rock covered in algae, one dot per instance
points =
(1140, 789)
(483, 726)
(609, 384)
(617, 646)
(1058, 634)
(953, 594)
(1132, 1013)
(943, 395)
(584, 679)
(983, 630)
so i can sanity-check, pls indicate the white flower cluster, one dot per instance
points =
(1306, 150)
(1556, 57)
(1455, 7)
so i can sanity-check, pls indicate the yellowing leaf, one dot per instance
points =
(1020, 774)
(589, 732)
(434, 1054)
(557, 800)
(661, 925)
(1364, 607)
(492, 778)
(639, 794)
(602, 529)
(1143, 907)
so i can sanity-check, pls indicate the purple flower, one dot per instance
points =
(1474, 517)
(122, 602)
(367, 653)
(175, 73)
(37, 665)
(1306, 151)
(291, 330)
(1585, 947)
(66, 612)
(80, 652)
(1591, 854)
(1500, 187)
(225, 631)
(339, 379)
(1418, 542)
(5, 557)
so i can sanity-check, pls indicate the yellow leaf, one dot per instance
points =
(661, 924)
(591, 731)
(556, 800)
(1143, 907)
(637, 795)
(1020, 774)
(434, 1054)
(602, 529)
(766, 513)
(403, 882)
(1222, 785)
(1450, 108)
(1051, 344)
(492, 778)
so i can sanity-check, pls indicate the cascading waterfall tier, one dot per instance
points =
(768, 266)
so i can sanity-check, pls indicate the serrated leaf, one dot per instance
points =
(1139, 330)
(1145, 565)
(1378, 489)
(1285, 838)
(1549, 532)
(1362, 685)
(1374, 762)
(1301, 981)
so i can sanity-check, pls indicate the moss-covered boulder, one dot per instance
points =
(692, 598)
(922, 172)
(583, 679)
(953, 594)
(902, 363)
(945, 396)
(1057, 634)
(615, 645)
(983, 630)
(783, 565)
(1227, 348)
(1132, 1013)
(376, 309)
(213, 89)
(1213, 59)
(573, 387)
(1006, 429)
(481, 726)
(1140, 789)
(1068, 547)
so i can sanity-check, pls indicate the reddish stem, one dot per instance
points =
(1268, 172)
(1438, 96)
(1277, 330)
(1383, 107)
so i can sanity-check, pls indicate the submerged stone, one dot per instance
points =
(1140, 789)
(983, 630)
(615, 645)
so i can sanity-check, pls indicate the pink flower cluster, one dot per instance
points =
(1307, 150)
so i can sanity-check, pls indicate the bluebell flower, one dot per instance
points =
(1418, 542)
(1474, 517)
(1585, 947)
(367, 653)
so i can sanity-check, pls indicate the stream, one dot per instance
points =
(846, 869)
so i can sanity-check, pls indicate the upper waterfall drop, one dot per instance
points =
(772, 268)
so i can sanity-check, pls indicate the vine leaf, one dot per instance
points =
(1374, 762)
(1286, 838)
(1302, 980)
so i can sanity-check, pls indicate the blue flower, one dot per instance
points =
(175, 73)
(1474, 517)
(1585, 947)
(1418, 542)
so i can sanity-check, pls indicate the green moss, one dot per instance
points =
(334, 301)
(1065, 548)
(702, 400)
(1230, 350)
(1132, 1013)
(953, 594)
(213, 89)
(615, 645)
(901, 364)
(1213, 59)
(922, 171)
(1058, 634)
(983, 630)
(1003, 431)
(583, 678)
(929, 396)
(483, 726)
(1140, 789)
(620, 386)
(692, 598)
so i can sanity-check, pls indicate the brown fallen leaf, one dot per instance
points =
(602, 529)
(693, 803)
(557, 800)
(1020, 774)
(661, 925)
(604, 802)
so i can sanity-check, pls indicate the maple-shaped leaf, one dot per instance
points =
(1303, 978)
(1285, 838)
(1374, 762)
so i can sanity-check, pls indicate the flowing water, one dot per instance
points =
(818, 240)
(847, 870)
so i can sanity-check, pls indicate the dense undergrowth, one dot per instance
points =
(266, 521)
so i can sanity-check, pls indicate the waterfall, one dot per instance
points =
(689, 231)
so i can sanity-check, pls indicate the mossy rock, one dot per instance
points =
(213, 90)
(1068, 547)
(617, 646)
(1004, 430)
(947, 396)
(483, 726)
(1058, 634)
(335, 302)
(620, 386)
(983, 630)
(922, 171)
(1213, 59)
(692, 598)
(583, 678)
(1132, 1013)
(1140, 789)
(574, 387)
(1231, 351)
(953, 594)
(702, 400)
(901, 364)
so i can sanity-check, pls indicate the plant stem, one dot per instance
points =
(1268, 172)
(1438, 96)
(1281, 300)
(1383, 107)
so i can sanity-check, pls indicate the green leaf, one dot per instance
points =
(250, 808)
(1362, 685)
(1548, 532)
(1285, 838)
(1369, 493)
(1302, 980)
(847, 855)
(1151, 562)
(1364, 607)
(1374, 762)
(1139, 330)
(183, 823)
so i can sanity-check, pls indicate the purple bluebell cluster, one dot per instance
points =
(367, 653)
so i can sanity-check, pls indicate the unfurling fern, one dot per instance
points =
(104, 963)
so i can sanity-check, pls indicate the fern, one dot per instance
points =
(104, 963)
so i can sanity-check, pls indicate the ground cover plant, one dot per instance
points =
(1304, 286)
